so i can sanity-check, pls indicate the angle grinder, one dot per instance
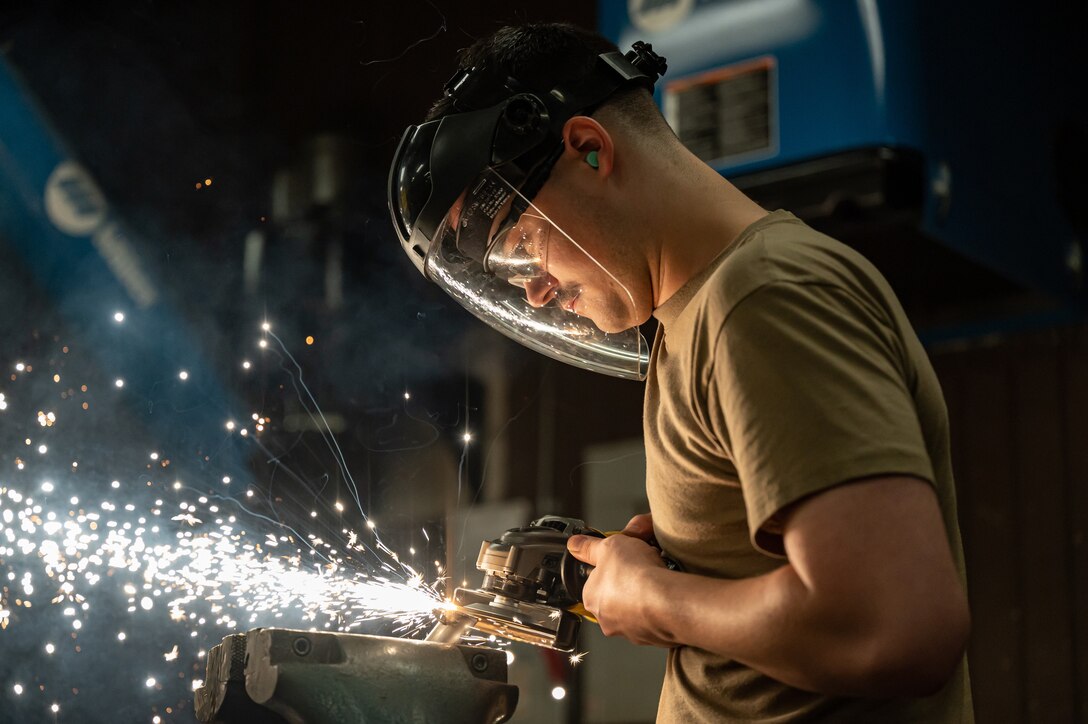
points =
(532, 587)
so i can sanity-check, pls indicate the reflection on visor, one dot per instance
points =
(493, 258)
(519, 254)
(549, 330)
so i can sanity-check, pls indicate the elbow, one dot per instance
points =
(915, 656)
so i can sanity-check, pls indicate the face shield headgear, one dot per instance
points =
(460, 194)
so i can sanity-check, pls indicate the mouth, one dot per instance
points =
(568, 298)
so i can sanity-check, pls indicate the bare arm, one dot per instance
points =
(869, 604)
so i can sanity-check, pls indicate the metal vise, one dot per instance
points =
(273, 676)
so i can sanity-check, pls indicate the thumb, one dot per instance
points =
(584, 548)
(641, 526)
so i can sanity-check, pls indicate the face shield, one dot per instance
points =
(461, 195)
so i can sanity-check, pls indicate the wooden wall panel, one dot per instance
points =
(1019, 416)
(985, 469)
(1075, 414)
(1044, 552)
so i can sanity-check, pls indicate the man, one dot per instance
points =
(796, 436)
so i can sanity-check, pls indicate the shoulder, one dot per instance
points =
(784, 252)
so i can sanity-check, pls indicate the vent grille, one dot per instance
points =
(726, 115)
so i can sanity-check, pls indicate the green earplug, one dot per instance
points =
(591, 159)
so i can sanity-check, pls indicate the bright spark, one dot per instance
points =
(196, 572)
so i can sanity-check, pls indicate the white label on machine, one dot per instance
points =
(654, 16)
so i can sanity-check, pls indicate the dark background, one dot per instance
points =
(155, 97)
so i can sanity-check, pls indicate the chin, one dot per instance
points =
(610, 326)
(609, 321)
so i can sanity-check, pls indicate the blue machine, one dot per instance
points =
(56, 219)
(942, 139)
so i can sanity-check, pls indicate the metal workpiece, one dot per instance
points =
(453, 623)
(308, 677)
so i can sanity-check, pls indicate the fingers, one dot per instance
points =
(641, 526)
(584, 548)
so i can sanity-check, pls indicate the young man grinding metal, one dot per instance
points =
(796, 436)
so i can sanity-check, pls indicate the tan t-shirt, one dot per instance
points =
(785, 368)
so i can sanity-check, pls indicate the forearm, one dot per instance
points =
(776, 625)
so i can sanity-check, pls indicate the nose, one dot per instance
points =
(541, 290)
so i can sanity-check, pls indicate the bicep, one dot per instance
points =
(877, 547)
(878, 573)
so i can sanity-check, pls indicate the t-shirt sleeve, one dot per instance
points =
(807, 388)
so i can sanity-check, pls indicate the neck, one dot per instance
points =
(695, 214)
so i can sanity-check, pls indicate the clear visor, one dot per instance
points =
(535, 284)
(518, 253)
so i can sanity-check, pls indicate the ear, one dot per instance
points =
(582, 134)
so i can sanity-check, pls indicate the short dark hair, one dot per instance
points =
(543, 55)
